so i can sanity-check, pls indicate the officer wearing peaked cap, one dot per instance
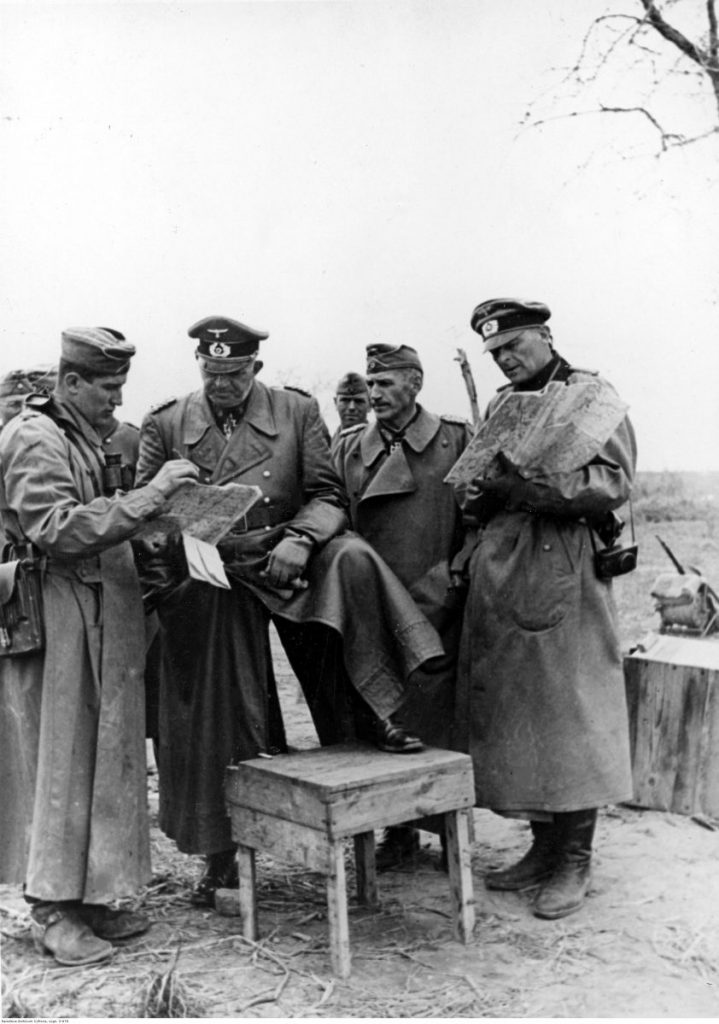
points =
(540, 693)
(393, 471)
(287, 561)
(88, 678)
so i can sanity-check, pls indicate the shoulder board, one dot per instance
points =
(131, 426)
(354, 429)
(581, 369)
(505, 387)
(300, 391)
(162, 405)
(447, 417)
(37, 402)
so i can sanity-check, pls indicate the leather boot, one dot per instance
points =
(57, 930)
(565, 891)
(112, 924)
(392, 737)
(536, 865)
(220, 873)
(399, 845)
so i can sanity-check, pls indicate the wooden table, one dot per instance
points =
(300, 807)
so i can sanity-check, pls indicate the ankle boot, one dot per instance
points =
(220, 873)
(56, 929)
(565, 891)
(535, 866)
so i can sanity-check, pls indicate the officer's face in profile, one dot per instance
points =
(96, 399)
(227, 390)
(352, 409)
(524, 356)
(392, 395)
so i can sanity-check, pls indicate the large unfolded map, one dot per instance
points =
(555, 430)
(205, 511)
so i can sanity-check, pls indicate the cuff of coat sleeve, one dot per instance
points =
(150, 499)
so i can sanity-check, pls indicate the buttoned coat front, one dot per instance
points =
(89, 836)
(400, 504)
(541, 704)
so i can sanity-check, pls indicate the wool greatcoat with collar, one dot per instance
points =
(401, 506)
(541, 705)
(218, 702)
(78, 706)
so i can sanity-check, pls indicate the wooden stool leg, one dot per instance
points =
(337, 912)
(248, 892)
(366, 869)
(459, 860)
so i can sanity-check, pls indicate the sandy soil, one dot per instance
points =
(646, 944)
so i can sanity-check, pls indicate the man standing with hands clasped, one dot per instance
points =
(541, 704)
(89, 838)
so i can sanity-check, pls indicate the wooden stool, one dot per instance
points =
(300, 807)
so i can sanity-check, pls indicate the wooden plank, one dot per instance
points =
(300, 787)
(366, 869)
(337, 916)
(247, 892)
(285, 840)
(459, 862)
(690, 730)
(709, 779)
(389, 803)
(674, 732)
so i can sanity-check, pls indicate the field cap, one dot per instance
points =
(499, 321)
(224, 345)
(35, 380)
(101, 350)
(392, 357)
(351, 384)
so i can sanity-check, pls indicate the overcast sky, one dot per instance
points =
(341, 173)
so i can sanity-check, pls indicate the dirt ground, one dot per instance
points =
(646, 944)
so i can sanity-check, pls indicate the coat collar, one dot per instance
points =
(418, 435)
(258, 413)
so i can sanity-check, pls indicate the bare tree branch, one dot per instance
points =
(675, 37)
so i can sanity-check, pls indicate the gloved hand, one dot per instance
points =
(287, 560)
(510, 492)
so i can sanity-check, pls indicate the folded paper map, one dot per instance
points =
(205, 511)
(555, 430)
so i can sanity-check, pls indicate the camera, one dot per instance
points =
(615, 561)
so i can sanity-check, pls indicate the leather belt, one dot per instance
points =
(260, 518)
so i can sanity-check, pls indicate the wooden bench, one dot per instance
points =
(300, 807)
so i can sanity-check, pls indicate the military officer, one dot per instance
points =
(351, 402)
(287, 561)
(541, 703)
(89, 837)
(393, 471)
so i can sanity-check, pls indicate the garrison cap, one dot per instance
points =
(225, 345)
(498, 321)
(101, 350)
(36, 380)
(392, 357)
(351, 384)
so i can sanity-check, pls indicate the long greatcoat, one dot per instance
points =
(400, 505)
(89, 837)
(541, 704)
(217, 695)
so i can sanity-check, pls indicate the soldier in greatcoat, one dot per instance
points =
(351, 402)
(89, 836)
(540, 702)
(393, 470)
(20, 686)
(287, 561)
